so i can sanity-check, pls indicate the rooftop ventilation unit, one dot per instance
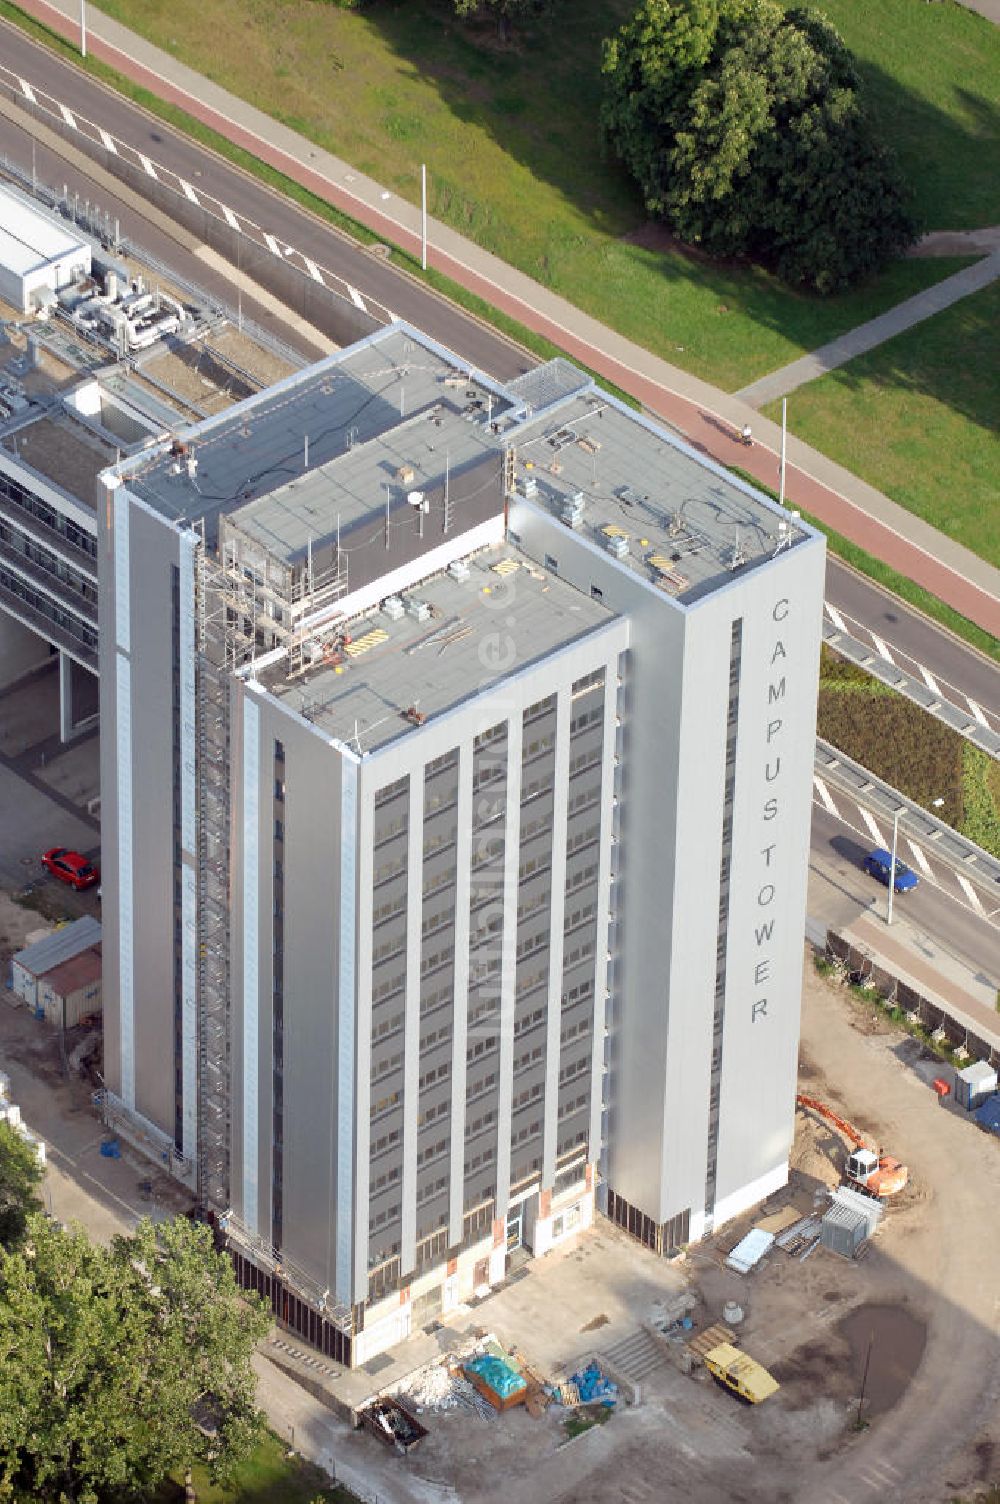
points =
(393, 608)
(571, 511)
(527, 487)
(419, 610)
(458, 569)
(617, 545)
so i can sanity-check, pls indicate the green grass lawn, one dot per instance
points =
(919, 755)
(933, 77)
(916, 417)
(270, 1477)
(514, 160)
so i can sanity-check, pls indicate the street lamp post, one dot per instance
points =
(83, 28)
(892, 863)
(935, 804)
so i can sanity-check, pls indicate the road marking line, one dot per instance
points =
(147, 164)
(271, 243)
(27, 90)
(931, 682)
(69, 117)
(835, 617)
(977, 711)
(229, 217)
(970, 893)
(313, 269)
(918, 857)
(883, 649)
(189, 192)
(108, 142)
(873, 828)
(356, 298)
(824, 794)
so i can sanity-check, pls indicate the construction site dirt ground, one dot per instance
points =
(924, 1300)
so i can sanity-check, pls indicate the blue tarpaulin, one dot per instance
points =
(988, 1116)
(500, 1377)
(594, 1388)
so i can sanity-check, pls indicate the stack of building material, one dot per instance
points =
(973, 1085)
(497, 1380)
(595, 1388)
(712, 1336)
(750, 1250)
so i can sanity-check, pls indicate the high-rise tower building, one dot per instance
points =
(457, 749)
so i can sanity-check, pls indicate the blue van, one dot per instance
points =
(879, 864)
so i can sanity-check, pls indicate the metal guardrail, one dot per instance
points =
(913, 688)
(952, 848)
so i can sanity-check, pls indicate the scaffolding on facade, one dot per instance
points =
(272, 604)
(213, 812)
(249, 604)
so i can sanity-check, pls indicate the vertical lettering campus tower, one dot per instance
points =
(457, 764)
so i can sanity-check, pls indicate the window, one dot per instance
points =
(551, 564)
(596, 593)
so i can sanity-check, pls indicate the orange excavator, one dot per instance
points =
(869, 1169)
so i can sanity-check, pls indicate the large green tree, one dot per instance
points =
(21, 1173)
(505, 11)
(743, 125)
(120, 1364)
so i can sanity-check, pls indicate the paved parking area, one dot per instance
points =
(45, 788)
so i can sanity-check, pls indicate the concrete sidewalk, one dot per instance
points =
(709, 418)
(865, 337)
(924, 965)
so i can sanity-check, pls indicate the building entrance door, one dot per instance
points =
(515, 1228)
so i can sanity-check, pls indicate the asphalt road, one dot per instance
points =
(409, 299)
(840, 891)
(945, 657)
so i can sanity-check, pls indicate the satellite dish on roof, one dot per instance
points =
(418, 500)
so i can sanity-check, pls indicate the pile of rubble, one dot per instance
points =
(440, 1387)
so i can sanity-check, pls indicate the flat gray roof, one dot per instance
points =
(353, 485)
(302, 425)
(435, 664)
(319, 449)
(678, 520)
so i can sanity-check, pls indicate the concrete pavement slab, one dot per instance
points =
(865, 337)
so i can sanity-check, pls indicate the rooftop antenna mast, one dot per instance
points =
(305, 452)
(447, 494)
(387, 516)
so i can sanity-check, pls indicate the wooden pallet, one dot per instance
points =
(703, 1342)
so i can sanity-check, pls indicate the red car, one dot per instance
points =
(70, 867)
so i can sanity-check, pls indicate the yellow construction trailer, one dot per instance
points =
(740, 1373)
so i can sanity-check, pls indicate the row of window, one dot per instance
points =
(529, 1057)
(432, 1152)
(19, 543)
(19, 496)
(432, 1189)
(566, 1109)
(50, 609)
(570, 1072)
